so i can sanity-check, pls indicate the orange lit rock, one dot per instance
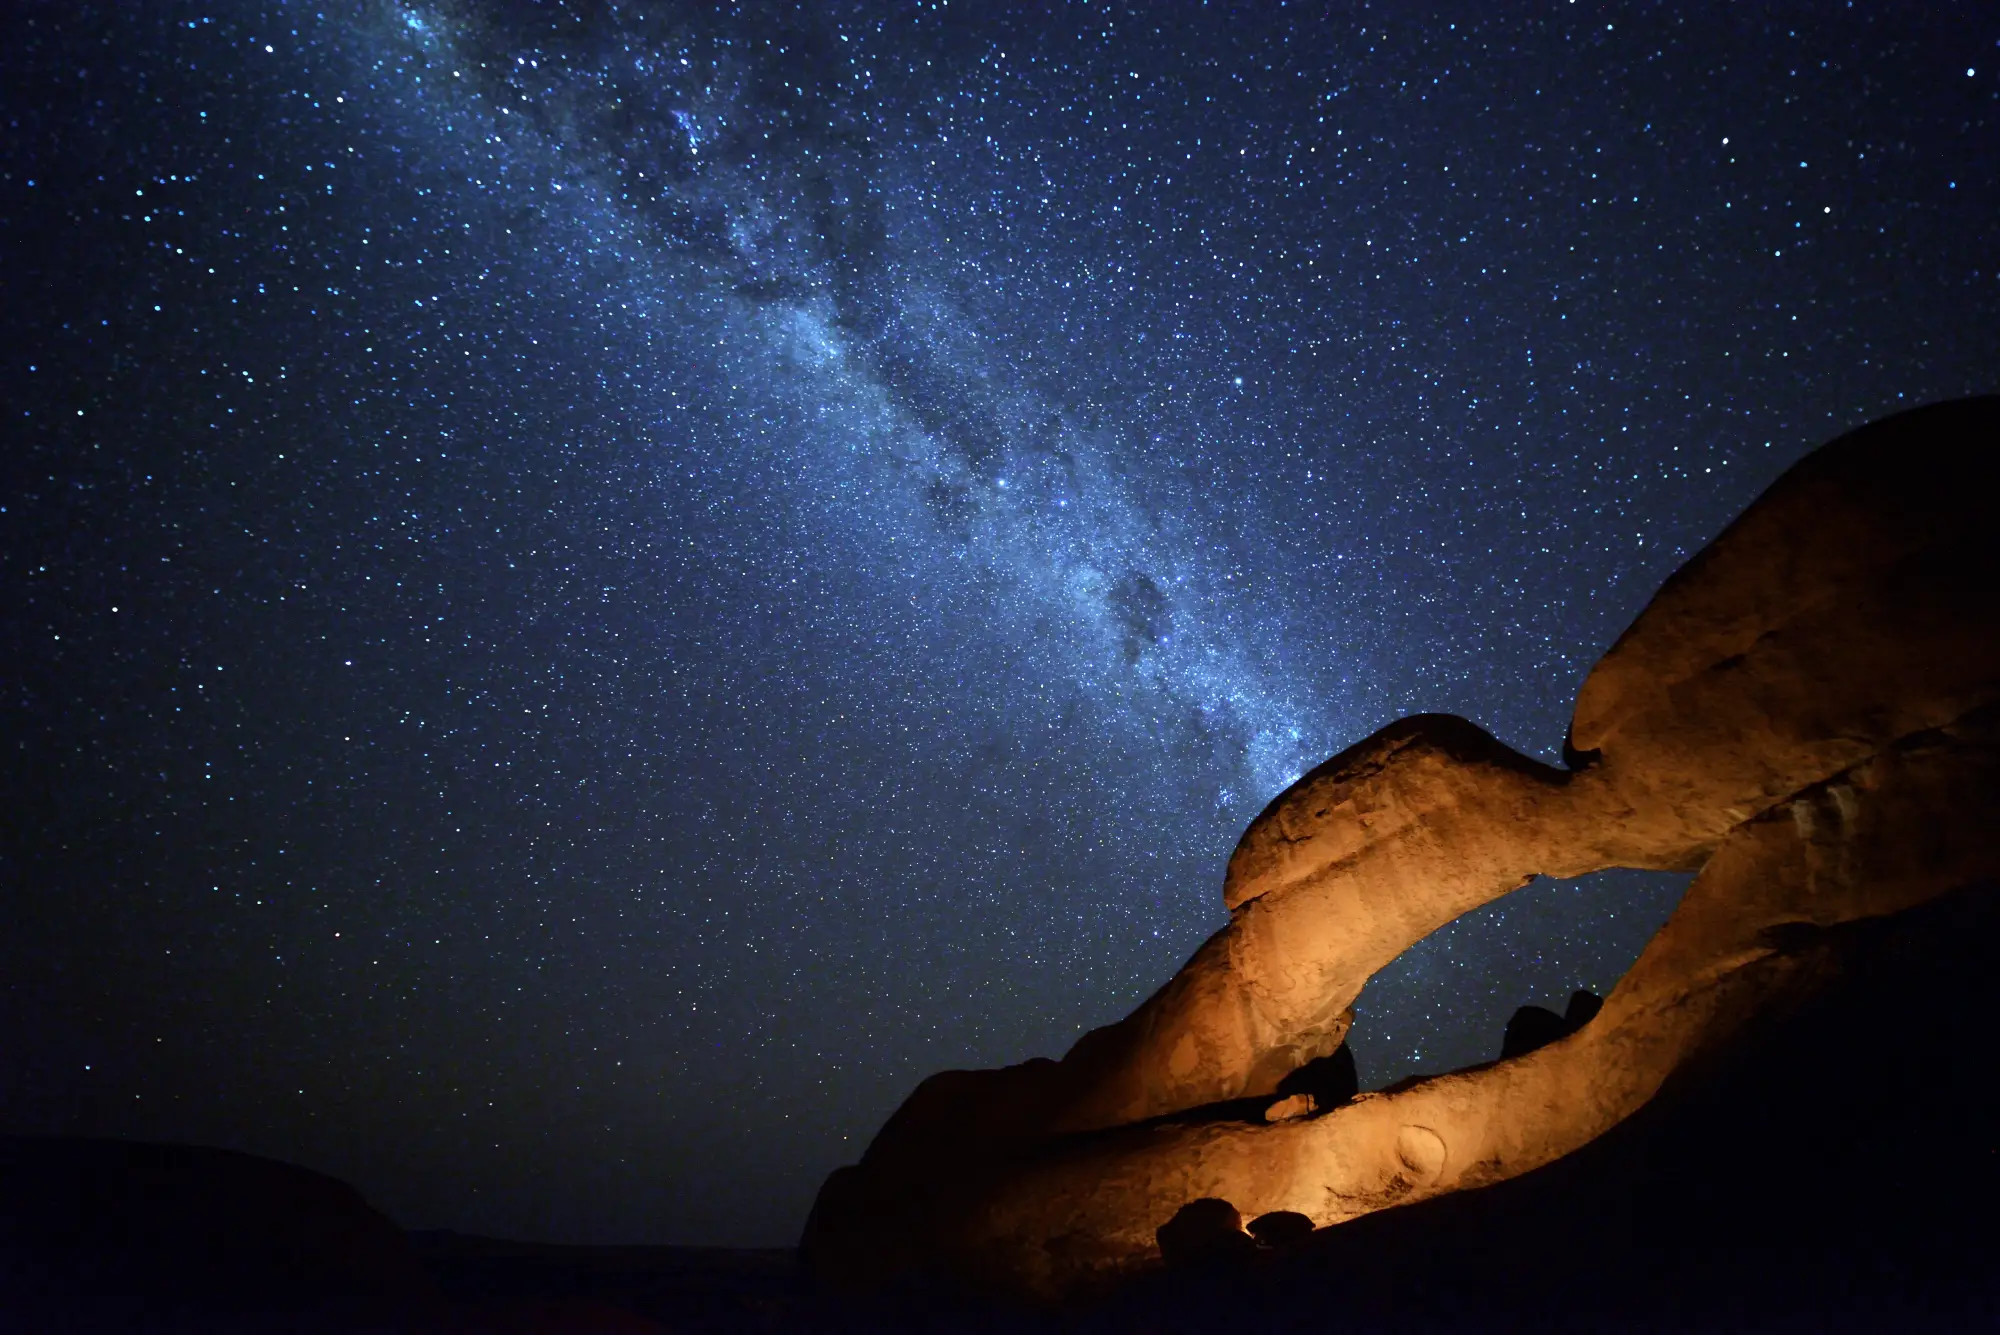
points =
(1838, 852)
(1796, 713)
(1289, 1107)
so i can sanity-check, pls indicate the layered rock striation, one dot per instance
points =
(1805, 712)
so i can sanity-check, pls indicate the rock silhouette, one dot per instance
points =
(1582, 1008)
(1803, 713)
(1529, 1028)
(1205, 1232)
(1281, 1228)
(1533, 1027)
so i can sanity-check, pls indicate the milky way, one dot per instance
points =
(593, 590)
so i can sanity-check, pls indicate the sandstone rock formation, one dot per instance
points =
(1806, 712)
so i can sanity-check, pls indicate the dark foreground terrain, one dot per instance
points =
(1835, 1170)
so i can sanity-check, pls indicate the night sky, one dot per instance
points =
(589, 591)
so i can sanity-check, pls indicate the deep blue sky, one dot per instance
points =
(590, 591)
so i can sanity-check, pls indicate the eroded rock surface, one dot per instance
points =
(1799, 713)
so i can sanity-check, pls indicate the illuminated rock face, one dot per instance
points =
(1805, 712)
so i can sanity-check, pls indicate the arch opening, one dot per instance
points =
(1444, 1004)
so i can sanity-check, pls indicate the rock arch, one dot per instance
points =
(1799, 700)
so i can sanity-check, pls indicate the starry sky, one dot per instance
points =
(588, 591)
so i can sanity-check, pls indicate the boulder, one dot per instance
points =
(1205, 1232)
(1533, 1027)
(1582, 1008)
(1281, 1229)
(1289, 1106)
(1529, 1028)
(1800, 713)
